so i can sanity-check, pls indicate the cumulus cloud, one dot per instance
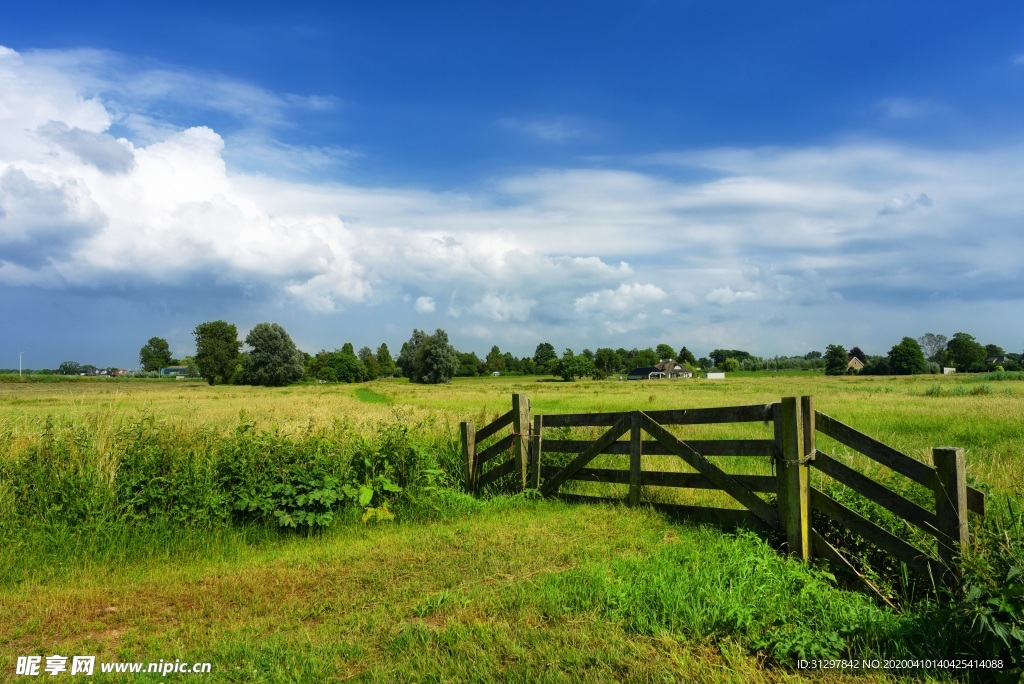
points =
(726, 295)
(100, 150)
(667, 245)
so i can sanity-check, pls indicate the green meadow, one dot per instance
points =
(319, 533)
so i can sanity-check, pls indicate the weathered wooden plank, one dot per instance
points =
(467, 440)
(881, 495)
(635, 468)
(537, 447)
(584, 419)
(951, 506)
(502, 446)
(492, 429)
(792, 476)
(702, 465)
(824, 549)
(493, 474)
(556, 480)
(521, 436)
(728, 518)
(873, 449)
(755, 483)
(707, 447)
(975, 500)
(756, 413)
(915, 559)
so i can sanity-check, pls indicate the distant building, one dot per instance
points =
(716, 376)
(667, 368)
(174, 370)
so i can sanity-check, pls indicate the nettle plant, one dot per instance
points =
(305, 485)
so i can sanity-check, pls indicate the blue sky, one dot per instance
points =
(736, 174)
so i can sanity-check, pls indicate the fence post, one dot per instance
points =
(792, 475)
(468, 439)
(951, 507)
(537, 445)
(635, 445)
(521, 436)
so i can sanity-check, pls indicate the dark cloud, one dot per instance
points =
(40, 220)
(97, 149)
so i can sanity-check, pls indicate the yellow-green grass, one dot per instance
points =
(449, 600)
(897, 410)
(516, 592)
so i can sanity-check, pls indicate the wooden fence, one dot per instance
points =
(792, 451)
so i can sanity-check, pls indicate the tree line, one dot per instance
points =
(930, 353)
(272, 358)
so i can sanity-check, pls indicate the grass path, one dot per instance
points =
(502, 594)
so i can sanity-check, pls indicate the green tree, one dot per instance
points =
(340, 365)
(933, 346)
(606, 359)
(436, 359)
(720, 355)
(69, 368)
(645, 357)
(387, 364)
(731, 365)
(994, 350)
(410, 351)
(470, 365)
(686, 357)
(964, 352)
(369, 363)
(155, 354)
(217, 348)
(544, 356)
(570, 366)
(495, 361)
(664, 352)
(274, 360)
(906, 358)
(836, 359)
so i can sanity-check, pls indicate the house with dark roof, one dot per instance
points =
(667, 368)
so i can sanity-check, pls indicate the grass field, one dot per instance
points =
(117, 542)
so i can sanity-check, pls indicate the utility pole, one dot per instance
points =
(19, 363)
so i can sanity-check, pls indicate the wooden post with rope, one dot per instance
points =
(795, 443)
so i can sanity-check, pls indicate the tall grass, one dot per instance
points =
(148, 474)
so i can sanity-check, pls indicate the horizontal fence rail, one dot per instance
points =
(791, 450)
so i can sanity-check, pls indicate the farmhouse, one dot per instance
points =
(667, 368)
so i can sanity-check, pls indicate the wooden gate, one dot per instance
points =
(791, 449)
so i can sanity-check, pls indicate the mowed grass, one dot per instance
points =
(504, 590)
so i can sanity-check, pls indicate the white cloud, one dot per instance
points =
(589, 254)
(726, 295)
(555, 130)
